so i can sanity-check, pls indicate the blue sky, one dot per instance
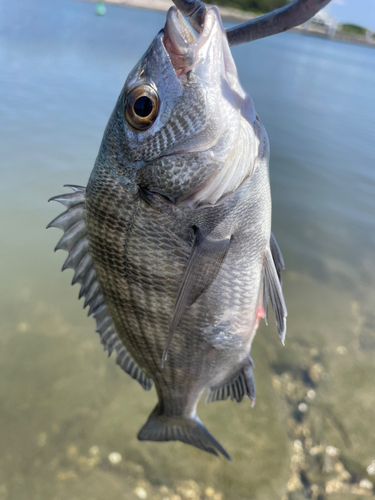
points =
(360, 12)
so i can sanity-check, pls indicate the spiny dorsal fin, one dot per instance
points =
(75, 242)
(272, 291)
(242, 384)
(203, 265)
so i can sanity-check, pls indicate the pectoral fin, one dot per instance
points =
(272, 291)
(277, 257)
(202, 268)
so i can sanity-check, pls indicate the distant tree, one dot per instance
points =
(352, 29)
(253, 5)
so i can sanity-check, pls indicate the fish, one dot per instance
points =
(171, 238)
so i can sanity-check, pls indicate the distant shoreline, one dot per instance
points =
(228, 14)
(240, 16)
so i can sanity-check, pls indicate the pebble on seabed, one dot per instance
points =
(297, 445)
(94, 451)
(209, 492)
(311, 394)
(332, 451)
(115, 458)
(141, 493)
(365, 483)
(371, 469)
(302, 407)
(341, 350)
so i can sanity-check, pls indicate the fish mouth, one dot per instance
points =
(182, 44)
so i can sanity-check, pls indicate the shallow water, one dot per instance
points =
(64, 406)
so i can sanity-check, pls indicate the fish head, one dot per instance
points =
(184, 100)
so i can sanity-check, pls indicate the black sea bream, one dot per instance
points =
(171, 239)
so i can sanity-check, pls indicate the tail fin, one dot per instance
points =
(188, 430)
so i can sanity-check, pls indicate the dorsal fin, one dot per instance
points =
(75, 242)
(272, 287)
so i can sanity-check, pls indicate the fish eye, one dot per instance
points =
(141, 107)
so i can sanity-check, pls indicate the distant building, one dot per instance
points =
(370, 36)
(324, 20)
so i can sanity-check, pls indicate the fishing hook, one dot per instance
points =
(294, 14)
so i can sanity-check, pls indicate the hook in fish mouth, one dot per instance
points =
(295, 13)
(182, 43)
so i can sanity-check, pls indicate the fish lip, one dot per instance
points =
(181, 42)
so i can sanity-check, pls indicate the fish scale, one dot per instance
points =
(171, 240)
(141, 308)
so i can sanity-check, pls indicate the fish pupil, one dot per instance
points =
(143, 106)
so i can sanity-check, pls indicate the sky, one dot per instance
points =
(360, 12)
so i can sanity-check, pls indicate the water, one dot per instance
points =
(64, 406)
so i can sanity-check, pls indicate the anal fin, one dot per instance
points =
(242, 384)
